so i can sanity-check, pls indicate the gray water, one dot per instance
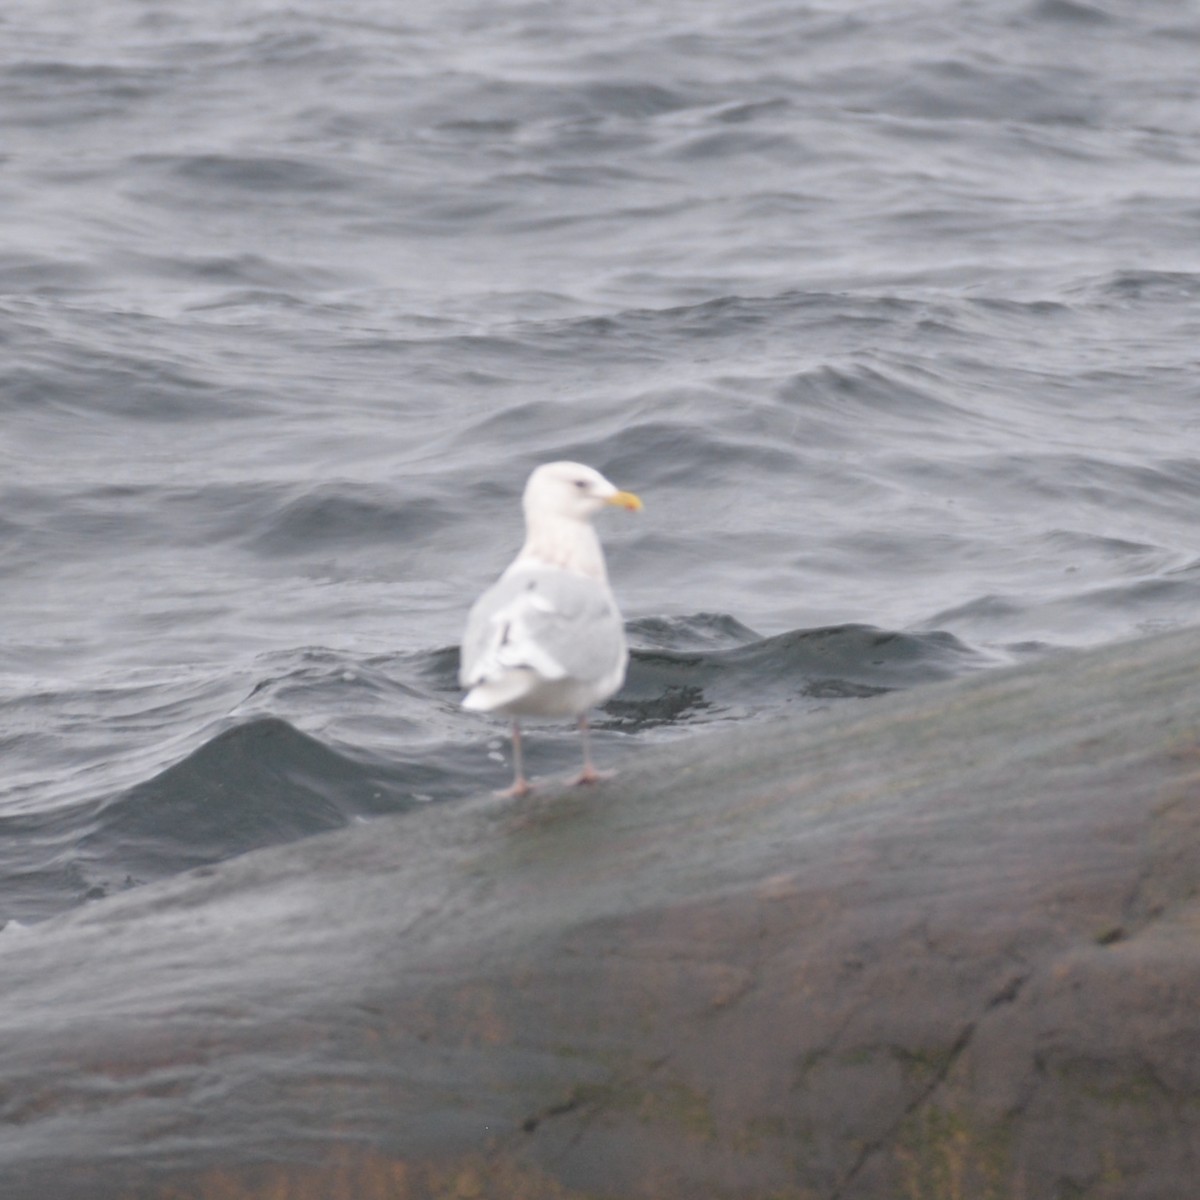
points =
(889, 312)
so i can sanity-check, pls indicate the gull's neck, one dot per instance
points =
(564, 542)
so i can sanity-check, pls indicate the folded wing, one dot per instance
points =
(542, 624)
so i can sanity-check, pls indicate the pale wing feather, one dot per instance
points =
(555, 623)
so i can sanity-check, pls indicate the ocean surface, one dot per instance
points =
(888, 309)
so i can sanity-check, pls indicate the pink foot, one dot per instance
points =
(520, 787)
(589, 774)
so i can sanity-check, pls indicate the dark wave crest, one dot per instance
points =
(742, 677)
(257, 784)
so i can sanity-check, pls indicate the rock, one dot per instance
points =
(941, 944)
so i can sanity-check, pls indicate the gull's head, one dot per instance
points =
(568, 489)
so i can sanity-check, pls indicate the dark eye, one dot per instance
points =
(581, 484)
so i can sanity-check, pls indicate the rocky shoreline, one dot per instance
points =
(943, 944)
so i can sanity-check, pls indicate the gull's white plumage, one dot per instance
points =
(547, 638)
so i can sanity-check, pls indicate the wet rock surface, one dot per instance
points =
(943, 945)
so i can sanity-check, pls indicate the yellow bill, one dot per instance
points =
(626, 500)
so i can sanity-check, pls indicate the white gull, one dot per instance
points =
(546, 639)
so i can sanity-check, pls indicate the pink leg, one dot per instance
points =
(520, 786)
(589, 774)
